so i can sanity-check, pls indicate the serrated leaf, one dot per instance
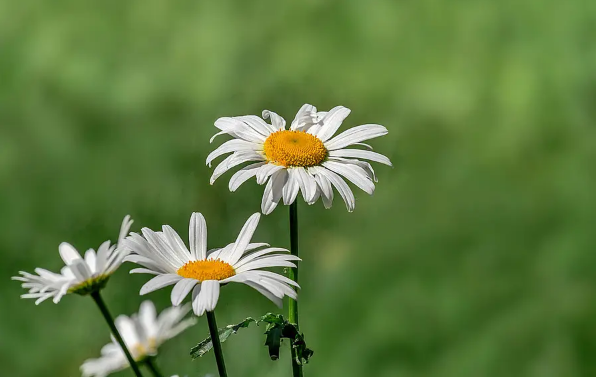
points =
(277, 329)
(273, 341)
(224, 333)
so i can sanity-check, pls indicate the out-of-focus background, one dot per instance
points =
(476, 256)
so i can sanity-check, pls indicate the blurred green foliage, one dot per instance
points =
(476, 256)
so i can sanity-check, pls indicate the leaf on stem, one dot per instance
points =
(224, 333)
(277, 329)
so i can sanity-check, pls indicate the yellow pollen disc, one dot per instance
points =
(206, 270)
(294, 148)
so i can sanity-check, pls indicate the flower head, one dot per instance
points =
(143, 333)
(304, 158)
(80, 275)
(203, 272)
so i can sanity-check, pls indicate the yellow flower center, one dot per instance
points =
(206, 270)
(294, 148)
(140, 351)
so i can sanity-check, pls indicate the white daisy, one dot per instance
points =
(306, 157)
(143, 334)
(164, 254)
(80, 275)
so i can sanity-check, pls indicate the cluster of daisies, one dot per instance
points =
(307, 157)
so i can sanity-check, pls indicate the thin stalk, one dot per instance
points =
(221, 365)
(106, 314)
(293, 274)
(152, 366)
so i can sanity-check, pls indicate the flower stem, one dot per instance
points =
(106, 314)
(293, 274)
(152, 365)
(221, 365)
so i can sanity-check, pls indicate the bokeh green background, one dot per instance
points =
(476, 256)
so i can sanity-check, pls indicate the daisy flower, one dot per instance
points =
(143, 334)
(80, 275)
(305, 158)
(203, 272)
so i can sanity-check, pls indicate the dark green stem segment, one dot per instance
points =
(106, 314)
(152, 366)
(214, 332)
(293, 274)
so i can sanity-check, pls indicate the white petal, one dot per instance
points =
(127, 329)
(181, 290)
(257, 124)
(124, 228)
(324, 186)
(80, 269)
(304, 118)
(176, 243)
(243, 175)
(68, 253)
(209, 294)
(102, 256)
(332, 122)
(353, 173)
(140, 246)
(198, 236)
(158, 282)
(277, 121)
(273, 191)
(341, 187)
(273, 275)
(266, 171)
(307, 184)
(260, 253)
(359, 153)
(148, 314)
(232, 146)
(198, 306)
(265, 262)
(370, 172)
(233, 160)
(237, 128)
(265, 292)
(256, 245)
(222, 253)
(159, 244)
(291, 188)
(267, 203)
(278, 288)
(218, 134)
(90, 259)
(355, 135)
(367, 146)
(145, 262)
(243, 239)
(145, 271)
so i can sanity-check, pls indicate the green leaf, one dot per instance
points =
(273, 341)
(277, 329)
(224, 333)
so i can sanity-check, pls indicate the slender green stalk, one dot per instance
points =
(152, 365)
(106, 314)
(221, 365)
(293, 274)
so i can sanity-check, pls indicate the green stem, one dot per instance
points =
(213, 330)
(152, 365)
(293, 274)
(106, 314)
